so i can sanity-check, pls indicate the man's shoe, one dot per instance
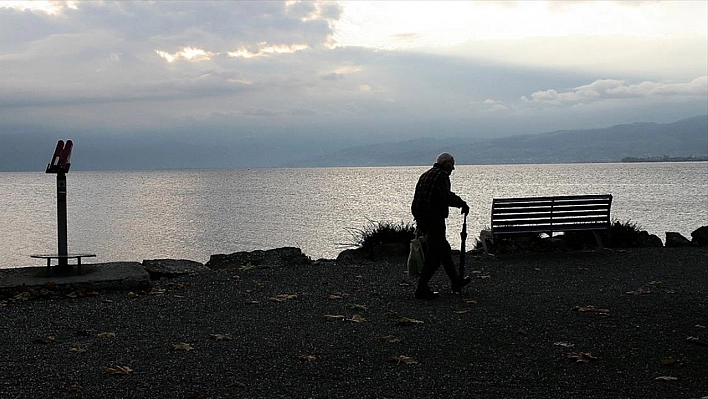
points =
(427, 295)
(459, 285)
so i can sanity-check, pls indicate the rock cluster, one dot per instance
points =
(159, 268)
(272, 257)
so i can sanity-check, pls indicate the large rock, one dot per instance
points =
(649, 240)
(674, 239)
(158, 268)
(273, 257)
(353, 255)
(700, 236)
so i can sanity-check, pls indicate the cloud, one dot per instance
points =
(605, 89)
(495, 105)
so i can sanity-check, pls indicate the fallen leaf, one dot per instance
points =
(697, 340)
(356, 307)
(470, 301)
(178, 296)
(581, 357)
(402, 359)
(405, 321)
(182, 346)
(700, 326)
(247, 266)
(106, 335)
(462, 311)
(666, 378)
(564, 344)
(238, 384)
(77, 348)
(251, 302)
(668, 362)
(23, 296)
(236, 277)
(44, 340)
(119, 370)
(74, 388)
(357, 319)
(334, 317)
(220, 337)
(389, 338)
(638, 291)
(483, 277)
(283, 297)
(307, 358)
(132, 295)
(590, 308)
(157, 291)
(334, 297)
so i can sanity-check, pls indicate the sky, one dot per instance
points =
(284, 79)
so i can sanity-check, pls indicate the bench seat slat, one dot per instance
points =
(555, 214)
(549, 228)
(550, 221)
(556, 198)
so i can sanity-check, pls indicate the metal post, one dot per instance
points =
(61, 220)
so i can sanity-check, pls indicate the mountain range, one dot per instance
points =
(24, 148)
(687, 138)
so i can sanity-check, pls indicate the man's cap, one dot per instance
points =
(444, 157)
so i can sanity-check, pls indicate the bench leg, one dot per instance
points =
(598, 240)
(484, 235)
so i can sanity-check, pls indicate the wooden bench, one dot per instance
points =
(68, 256)
(549, 215)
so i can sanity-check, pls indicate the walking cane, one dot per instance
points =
(463, 238)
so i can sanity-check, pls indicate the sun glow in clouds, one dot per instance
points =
(265, 50)
(405, 24)
(48, 7)
(188, 53)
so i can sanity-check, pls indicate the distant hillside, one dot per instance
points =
(684, 138)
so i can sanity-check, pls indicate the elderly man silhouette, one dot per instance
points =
(430, 208)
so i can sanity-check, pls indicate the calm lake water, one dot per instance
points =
(192, 214)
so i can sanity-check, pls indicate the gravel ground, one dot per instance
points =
(621, 324)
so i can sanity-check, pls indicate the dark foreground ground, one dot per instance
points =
(637, 317)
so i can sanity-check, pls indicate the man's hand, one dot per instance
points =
(465, 209)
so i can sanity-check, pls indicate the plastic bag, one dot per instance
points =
(416, 257)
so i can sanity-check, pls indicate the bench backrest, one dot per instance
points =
(551, 214)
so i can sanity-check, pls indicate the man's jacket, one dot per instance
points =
(433, 197)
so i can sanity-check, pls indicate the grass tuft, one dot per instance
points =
(380, 232)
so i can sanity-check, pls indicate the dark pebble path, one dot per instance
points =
(620, 324)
